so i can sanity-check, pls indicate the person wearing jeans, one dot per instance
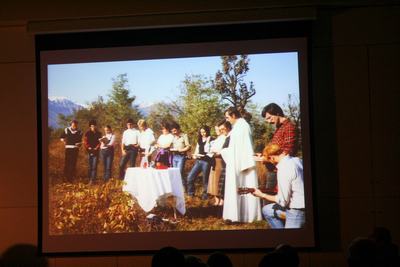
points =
(283, 218)
(92, 145)
(107, 151)
(202, 163)
(180, 146)
(287, 209)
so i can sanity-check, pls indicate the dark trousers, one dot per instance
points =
(130, 157)
(71, 157)
(221, 182)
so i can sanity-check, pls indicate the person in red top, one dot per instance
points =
(285, 136)
(92, 145)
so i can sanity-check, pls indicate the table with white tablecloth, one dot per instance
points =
(147, 185)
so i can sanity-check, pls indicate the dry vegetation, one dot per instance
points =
(102, 207)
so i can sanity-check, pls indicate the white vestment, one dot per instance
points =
(240, 172)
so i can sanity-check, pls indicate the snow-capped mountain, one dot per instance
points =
(145, 108)
(60, 105)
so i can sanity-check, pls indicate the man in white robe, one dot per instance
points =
(240, 172)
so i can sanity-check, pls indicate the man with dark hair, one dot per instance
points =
(72, 138)
(180, 146)
(272, 108)
(231, 111)
(129, 147)
(286, 132)
(92, 145)
(285, 136)
(240, 172)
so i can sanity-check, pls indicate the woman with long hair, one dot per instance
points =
(202, 163)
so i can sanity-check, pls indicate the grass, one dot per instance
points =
(102, 207)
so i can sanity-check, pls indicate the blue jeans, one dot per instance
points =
(107, 155)
(178, 161)
(294, 218)
(92, 173)
(130, 157)
(202, 166)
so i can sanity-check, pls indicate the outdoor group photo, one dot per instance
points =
(187, 144)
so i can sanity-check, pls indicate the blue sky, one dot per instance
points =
(274, 75)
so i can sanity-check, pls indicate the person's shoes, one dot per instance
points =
(228, 222)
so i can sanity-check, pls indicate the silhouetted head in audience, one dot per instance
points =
(387, 253)
(381, 235)
(219, 259)
(168, 257)
(272, 259)
(361, 253)
(289, 253)
(23, 255)
(192, 261)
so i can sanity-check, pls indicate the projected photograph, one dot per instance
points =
(209, 143)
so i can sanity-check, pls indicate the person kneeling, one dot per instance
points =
(287, 207)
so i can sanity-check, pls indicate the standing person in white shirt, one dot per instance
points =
(240, 172)
(163, 145)
(217, 164)
(287, 211)
(146, 139)
(107, 143)
(129, 147)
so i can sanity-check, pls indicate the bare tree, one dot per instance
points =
(230, 81)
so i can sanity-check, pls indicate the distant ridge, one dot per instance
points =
(65, 106)
(60, 105)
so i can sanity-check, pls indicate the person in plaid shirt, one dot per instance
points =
(285, 137)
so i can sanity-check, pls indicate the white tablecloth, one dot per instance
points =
(148, 185)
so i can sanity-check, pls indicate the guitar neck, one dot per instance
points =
(268, 191)
(246, 190)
